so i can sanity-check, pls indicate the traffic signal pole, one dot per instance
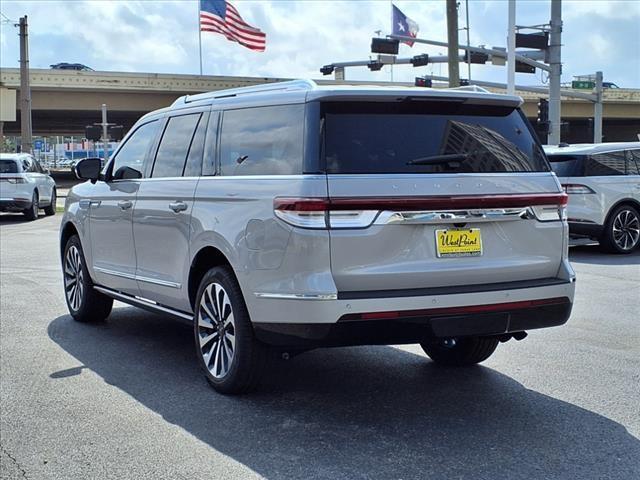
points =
(105, 133)
(597, 110)
(555, 62)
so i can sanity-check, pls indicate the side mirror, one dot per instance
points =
(88, 169)
(126, 173)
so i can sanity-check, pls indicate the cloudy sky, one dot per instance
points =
(162, 36)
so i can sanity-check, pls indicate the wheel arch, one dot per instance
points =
(206, 258)
(66, 233)
(623, 201)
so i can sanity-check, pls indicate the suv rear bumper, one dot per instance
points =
(304, 323)
(585, 229)
(14, 204)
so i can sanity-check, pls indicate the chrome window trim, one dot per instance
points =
(297, 296)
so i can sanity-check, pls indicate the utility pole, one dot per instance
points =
(511, 49)
(466, 11)
(452, 37)
(555, 63)
(105, 133)
(597, 110)
(25, 89)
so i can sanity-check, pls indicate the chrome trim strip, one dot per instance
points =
(164, 283)
(297, 296)
(114, 273)
(142, 302)
(453, 216)
(139, 278)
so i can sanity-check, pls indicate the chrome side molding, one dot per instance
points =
(298, 296)
(439, 217)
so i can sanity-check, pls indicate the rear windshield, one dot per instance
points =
(428, 137)
(8, 166)
(567, 165)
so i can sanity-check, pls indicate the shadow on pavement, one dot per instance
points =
(15, 218)
(592, 254)
(367, 412)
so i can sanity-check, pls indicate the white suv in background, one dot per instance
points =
(25, 186)
(603, 183)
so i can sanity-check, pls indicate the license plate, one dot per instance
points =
(459, 242)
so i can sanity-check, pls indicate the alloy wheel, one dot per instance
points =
(626, 229)
(73, 278)
(216, 330)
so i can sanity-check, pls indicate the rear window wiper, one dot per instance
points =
(436, 159)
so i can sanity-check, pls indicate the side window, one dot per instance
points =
(262, 141)
(604, 164)
(633, 162)
(193, 167)
(174, 146)
(129, 161)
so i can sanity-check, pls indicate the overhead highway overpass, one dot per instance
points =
(64, 102)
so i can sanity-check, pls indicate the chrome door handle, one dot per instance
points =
(125, 204)
(84, 203)
(178, 206)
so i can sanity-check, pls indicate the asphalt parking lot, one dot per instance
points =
(126, 400)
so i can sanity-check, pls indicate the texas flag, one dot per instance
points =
(403, 25)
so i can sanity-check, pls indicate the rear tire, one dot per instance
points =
(232, 359)
(32, 212)
(466, 351)
(622, 230)
(51, 209)
(85, 304)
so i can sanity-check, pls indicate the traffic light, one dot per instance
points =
(476, 57)
(464, 82)
(522, 67)
(93, 132)
(374, 66)
(423, 82)
(327, 70)
(116, 132)
(543, 114)
(533, 40)
(420, 60)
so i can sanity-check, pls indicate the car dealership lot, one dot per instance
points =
(126, 400)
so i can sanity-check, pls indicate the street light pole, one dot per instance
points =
(25, 89)
(511, 49)
(105, 133)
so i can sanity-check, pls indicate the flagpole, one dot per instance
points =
(199, 36)
(391, 12)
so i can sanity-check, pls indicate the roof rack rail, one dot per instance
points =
(235, 92)
(470, 88)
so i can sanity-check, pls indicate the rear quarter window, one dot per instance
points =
(262, 141)
(8, 166)
(421, 137)
(567, 165)
(605, 164)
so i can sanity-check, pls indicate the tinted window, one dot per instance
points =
(8, 166)
(633, 162)
(604, 164)
(134, 151)
(388, 137)
(174, 146)
(567, 165)
(193, 167)
(262, 141)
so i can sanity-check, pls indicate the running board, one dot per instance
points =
(144, 303)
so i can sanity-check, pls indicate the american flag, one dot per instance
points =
(220, 16)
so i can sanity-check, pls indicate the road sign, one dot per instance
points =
(583, 85)
(38, 144)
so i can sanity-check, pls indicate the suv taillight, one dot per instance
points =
(576, 189)
(361, 212)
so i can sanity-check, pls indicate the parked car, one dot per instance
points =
(290, 216)
(603, 183)
(25, 186)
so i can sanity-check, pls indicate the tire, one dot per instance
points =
(51, 209)
(622, 230)
(32, 212)
(466, 351)
(232, 359)
(84, 303)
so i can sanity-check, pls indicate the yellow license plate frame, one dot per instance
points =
(458, 242)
